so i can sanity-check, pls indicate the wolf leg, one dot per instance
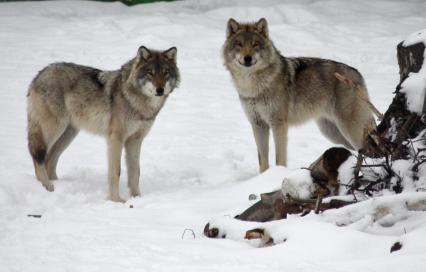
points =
(114, 159)
(58, 147)
(353, 130)
(330, 130)
(280, 138)
(133, 148)
(261, 136)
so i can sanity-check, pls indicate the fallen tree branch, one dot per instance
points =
(265, 210)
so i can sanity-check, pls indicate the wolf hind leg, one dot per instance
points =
(58, 148)
(332, 132)
(355, 128)
(44, 129)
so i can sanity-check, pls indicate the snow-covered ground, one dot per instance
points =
(199, 161)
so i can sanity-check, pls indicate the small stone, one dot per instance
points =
(252, 197)
(395, 247)
(34, 215)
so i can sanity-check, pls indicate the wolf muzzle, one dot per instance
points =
(247, 60)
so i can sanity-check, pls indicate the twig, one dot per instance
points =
(416, 166)
(318, 203)
(357, 169)
(34, 215)
(372, 165)
(191, 230)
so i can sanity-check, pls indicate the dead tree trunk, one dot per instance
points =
(410, 58)
(399, 124)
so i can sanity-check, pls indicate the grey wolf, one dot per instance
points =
(277, 92)
(120, 105)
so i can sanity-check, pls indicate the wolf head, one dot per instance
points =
(247, 45)
(154, 73)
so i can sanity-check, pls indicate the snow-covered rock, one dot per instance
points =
(298, 184)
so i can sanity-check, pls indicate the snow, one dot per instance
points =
(353, 238)
(346, 173)
(415, 85)
(416, 37)
(298, 184)
(199, 160)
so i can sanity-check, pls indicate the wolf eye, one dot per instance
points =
(166, 72)
(149, 72)
(256, 44)
(238, 44)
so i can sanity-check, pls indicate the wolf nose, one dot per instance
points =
(160, 91)
(247, 60)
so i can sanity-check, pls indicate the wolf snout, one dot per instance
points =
(159, 91)
(247, 60)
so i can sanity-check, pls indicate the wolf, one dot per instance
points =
(121, 105)
(277, 92)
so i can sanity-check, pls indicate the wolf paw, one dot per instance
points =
(117, 199)
(135, 194)
(49, 187)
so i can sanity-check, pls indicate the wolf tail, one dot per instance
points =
(38, 151)
(36, 144)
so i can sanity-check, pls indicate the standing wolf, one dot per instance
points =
(120, 105)
(276, 92)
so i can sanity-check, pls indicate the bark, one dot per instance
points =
(264, 211)
(410, 58)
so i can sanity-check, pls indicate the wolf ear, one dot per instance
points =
(262, 27)
(232, 27)
(171, 53)
(143, 53)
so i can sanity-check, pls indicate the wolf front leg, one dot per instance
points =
(261, 136)
(114, 159)
(133, 148)
(279, 132)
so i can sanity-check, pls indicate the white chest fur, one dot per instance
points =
(247, 86)
(134, 126)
